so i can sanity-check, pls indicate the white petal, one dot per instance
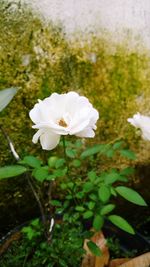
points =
(49, 140)
(143, 123)
(79, 126)
(36, 136)
(52, 127)
(75, 103)
(86, 133)
(85, 118)
(146, 135)
(34, 114)
(135, 121)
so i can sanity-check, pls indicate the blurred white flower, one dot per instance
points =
(63, 114)
(143, 123)
(38, 50)
(93, 57)
(26, 60)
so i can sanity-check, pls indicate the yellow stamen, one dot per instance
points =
(62, 123)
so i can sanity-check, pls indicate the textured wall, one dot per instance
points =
(113, 15)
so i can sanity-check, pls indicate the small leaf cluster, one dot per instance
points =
(53, 169)
(65, 249)
(92, 199)
(109, 150)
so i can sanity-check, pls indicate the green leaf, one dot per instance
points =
(66, 204)
(113, 192)
(29, 232)
(11, 171)
(71, 153)
(106, 209)
(79, 195)
(70, 185)
(111, 177)
(52, 161)
(56, 203)
(117, 145)
(104, 193)
(92, 151)
(35, 222)
(79, 208)
(92, 176)
(78, 143)
(94, 248)
(32, 161)
(105, 149)
(98, 222)
(6, 96)
(91, 205)
(123, 179)
(128, 154)
(88, 214)
(50, 177)
(110, 153)
(59, 163)
(87, 187)
(130, 195)
(76, 163)
(121, 223)
(63, 186)
(127, 171)
(60, 172)
(93, 197)
(70, 196)
(40, 174)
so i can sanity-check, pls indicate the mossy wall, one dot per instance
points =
(39, 59)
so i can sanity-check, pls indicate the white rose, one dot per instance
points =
(63, 114)
(143, 123)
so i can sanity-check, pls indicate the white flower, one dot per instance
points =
(143, 123)
(26, 60)
(38, 50)
(63, 114)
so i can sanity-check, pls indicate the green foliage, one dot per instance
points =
(78, 196)
(94, 248)
(11, 171)
(104, 193)
(33, 230)
(130, 195)
(128, 154)
(107, 209)
(52, 161)
(121, 223)
(65, 248)
(98, 222)
(40, 174)
(31, 161)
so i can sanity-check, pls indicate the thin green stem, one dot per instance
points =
(67, 164)
(65, 155)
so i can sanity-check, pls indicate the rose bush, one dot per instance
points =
(75, 197)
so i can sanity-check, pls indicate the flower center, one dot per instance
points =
(62, 123)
